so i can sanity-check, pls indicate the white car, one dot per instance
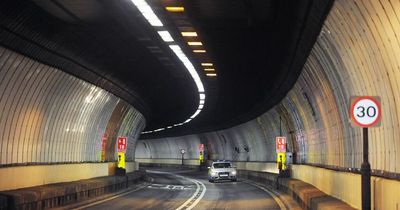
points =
(222, 170)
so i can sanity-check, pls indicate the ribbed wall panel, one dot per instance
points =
(357, 53)
(48, 116)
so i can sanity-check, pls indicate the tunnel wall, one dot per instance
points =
(355, 54)
(48, 116)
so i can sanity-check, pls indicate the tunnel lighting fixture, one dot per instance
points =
(199, 51)
(166, 36)
(175, 9)
(147, 12)
(152, 18)
(189, 34)
(189, 66)
(201, 106)
(195, 43)
(206, 64)
(211, 74)
(195, 114)
(209, 69)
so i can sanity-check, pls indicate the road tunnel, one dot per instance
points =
(231, 76)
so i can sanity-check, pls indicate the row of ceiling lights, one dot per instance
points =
(208, 67)
(154, 21)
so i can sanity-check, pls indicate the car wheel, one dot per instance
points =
(210, 180)
(233, 180)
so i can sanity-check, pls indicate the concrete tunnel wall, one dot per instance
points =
(48, 116)
(356, 53)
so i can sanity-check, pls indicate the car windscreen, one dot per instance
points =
(222, 165)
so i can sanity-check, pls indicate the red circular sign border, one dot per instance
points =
(362, 98)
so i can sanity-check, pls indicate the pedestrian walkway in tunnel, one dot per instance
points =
(114, 104)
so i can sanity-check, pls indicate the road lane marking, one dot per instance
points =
(108, 199)
(170, 187)
(200, 196)
(281, 205)
(195, 198)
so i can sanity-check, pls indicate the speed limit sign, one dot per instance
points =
(365, 111)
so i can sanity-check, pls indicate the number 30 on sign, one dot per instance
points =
(365, 111)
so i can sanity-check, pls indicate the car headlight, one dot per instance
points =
(233, 173)
(214, 173)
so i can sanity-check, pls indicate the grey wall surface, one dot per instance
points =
(357, 53)
(48, 116)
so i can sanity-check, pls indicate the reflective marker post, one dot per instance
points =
(365, 111)
(183, 153)
(365, 174)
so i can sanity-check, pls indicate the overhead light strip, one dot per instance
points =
(153, 20)
(189, 66)
(189, 34)
(195, 43)
(166, 36)
(175, 9)
(206, 64)
(147, 12)
(199, 51)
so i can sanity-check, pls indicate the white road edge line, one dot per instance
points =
(110, 198)
(276, 198)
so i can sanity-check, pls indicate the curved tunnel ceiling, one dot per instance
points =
(257, 47)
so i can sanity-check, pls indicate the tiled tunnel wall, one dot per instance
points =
(357, 53)
(48, 116)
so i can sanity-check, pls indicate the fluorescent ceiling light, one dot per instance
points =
(189, 34)
(147, 12)
(188, 120)
(189, 66)
(209, 69)
(195, 43)
(169, 127)
(199, 51)
(195, 114)
(201, 106)
(202, 96)
(166, 36)
(201, 102)
(211, 75)
(206, 64)
(175, 9)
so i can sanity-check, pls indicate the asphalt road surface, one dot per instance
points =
(189, 190)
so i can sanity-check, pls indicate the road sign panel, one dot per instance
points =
(365, 111)
(104, 141)
(280, 144)
(201, 147)
(121, 144)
